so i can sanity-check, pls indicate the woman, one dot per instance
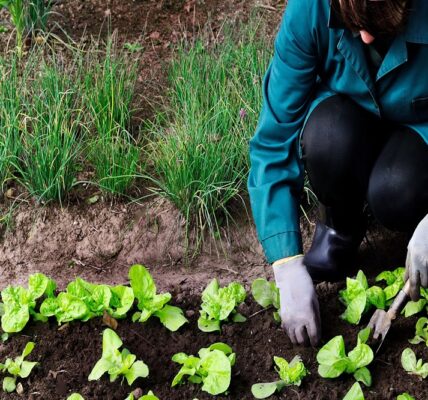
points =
(346, 96)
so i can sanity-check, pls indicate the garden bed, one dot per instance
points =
(67, 355)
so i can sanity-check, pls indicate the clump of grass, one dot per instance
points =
(200, 147)
(113, 152)
(51, 124)
(10, 110)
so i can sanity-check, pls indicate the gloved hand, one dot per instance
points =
(417, 259)
(299, 310)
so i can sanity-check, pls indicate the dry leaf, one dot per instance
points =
(109, 321)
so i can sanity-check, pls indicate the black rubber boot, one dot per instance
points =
(333, 252)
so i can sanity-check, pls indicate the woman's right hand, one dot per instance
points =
(299, 310)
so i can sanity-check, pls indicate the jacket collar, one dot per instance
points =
(416, 30)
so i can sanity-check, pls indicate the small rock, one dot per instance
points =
(137, 393)
(190, 313)
(19, 389)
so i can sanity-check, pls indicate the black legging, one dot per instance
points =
(352, 156)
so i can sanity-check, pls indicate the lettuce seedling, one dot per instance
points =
(359, 298)
(20, 303)
(333, 360)
(266, 294)
(75, 396)
(405, 396)
(290, 374)
(117, 363)
(149, 396)
(394, 283)
(355, 393)
(17, 368)
(83, 301)
(415, 307)
(213, 368)
(413, 366)
(150, 303)
(219, 304)
(421, 332)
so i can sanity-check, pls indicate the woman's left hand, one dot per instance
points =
(417, 259)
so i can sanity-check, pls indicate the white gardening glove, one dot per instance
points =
(299, 309)
(417, 259)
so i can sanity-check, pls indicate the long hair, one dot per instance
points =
(378, 17)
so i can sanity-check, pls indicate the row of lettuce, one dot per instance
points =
(83, 300)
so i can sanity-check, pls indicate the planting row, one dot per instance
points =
(213, 365)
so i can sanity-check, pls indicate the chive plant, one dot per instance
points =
(50, 142)
(200, 144)
(10, 110)
(113, 151)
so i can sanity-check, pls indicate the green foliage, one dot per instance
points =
(359, 298)
(394, 283)
(290, 374)
(266, 294)
(17, 368)
(150, 303)
(355, 393)
(212, 368)
(415, 307)
(333, 360)
(200, 144)
(405, 396)
(20, 303)
(219, 304)
(10, 118)
(117, 363)
(149, 396)
(75, 396)
(83, 301)
(412, 365)
(109, 88)
(50, 144)
(421, 332)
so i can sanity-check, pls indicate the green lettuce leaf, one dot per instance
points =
(421, 332)
(218, 304)
(355, 393)
(412, 365)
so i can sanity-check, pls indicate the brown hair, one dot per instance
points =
(378, 17)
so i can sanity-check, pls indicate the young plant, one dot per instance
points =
(18, 368)
(199, 147)
(412, 365)
(213, 368)
(219, 304)
(394, 283)
(109, 88)
(355, 393)
(333, 360)
(405, 396)
(75, 396)
(150, 303)
(149, 396)
(266, 294)
(421, 332)
(415, 307)
(359, 298)
(83, 301)
(290, 374)
(20, 303)
(117, 363)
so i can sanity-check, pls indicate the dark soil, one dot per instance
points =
(67, 356)
(99, 242)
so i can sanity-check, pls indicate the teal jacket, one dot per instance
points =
(316, 57)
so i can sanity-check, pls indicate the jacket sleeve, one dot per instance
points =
(276, 176)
